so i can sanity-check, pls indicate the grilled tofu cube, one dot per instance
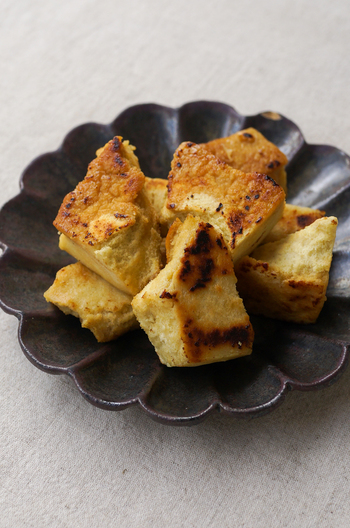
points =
(288, 279)
(108, 223)
(249, 151)
(191, 311)
(242, 207)
(100, 307)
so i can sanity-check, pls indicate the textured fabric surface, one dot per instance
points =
(64, 463)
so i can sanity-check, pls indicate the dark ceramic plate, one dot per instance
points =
(127, 371)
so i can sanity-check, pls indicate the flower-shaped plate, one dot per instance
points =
(127, 371)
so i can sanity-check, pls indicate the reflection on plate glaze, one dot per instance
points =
(127, 371)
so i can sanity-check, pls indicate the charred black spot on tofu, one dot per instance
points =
(167, 295)
(304, 220)
(115, 143)
(237, 336)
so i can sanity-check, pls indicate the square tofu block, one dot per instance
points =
(100, 307)
(249, 151)
(108, 222)
(288, 279)
(191, 311)
(294, 219)
(242, 207)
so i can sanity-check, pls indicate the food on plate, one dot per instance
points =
(294, 218)
(108, 222)
(191, 311)
(287, 279)
(156, 189)
(219, 223)
(100, 307)
(249, 151)
(243, 207)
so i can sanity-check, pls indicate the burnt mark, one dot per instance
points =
(115, 144)
(247, 135)
(118, 215)
(236, 226)
(167, 295)
(219, 242)
(236, 336)
(305, 220)
(119, 160)
(257, 196)
(186, 269)
(274, 164)
(202, 243)
(220, 206)
(189, 144)
(258, 220)
(271, 180)
(178, 164)
(205, 274)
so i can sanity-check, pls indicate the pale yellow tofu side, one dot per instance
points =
(100, 307)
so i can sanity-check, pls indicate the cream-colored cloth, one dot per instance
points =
(64, 463)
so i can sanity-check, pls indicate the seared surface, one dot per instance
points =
(243, 207)
(249, 151)
(191, 311)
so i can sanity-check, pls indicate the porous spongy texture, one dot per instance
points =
(294, 219)
(191, 311)
(249, 151)
(100, 307)
(288, 279)
(242, 207)
(108, 222)
(156, 190)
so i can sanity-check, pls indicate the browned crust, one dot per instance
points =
(249, 151)
(204, 260)
(243, 199)
(111, 184)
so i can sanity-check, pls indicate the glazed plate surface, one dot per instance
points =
(127, 371)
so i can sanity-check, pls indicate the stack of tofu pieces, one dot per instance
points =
(186, 258)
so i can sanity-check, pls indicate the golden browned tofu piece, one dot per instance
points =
(249, 151)
(100, 307)
(294, 219)
(242, 207)
(191, 311)
(108, 223)
(288, 279)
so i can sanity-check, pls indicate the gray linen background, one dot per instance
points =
(64, 463)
